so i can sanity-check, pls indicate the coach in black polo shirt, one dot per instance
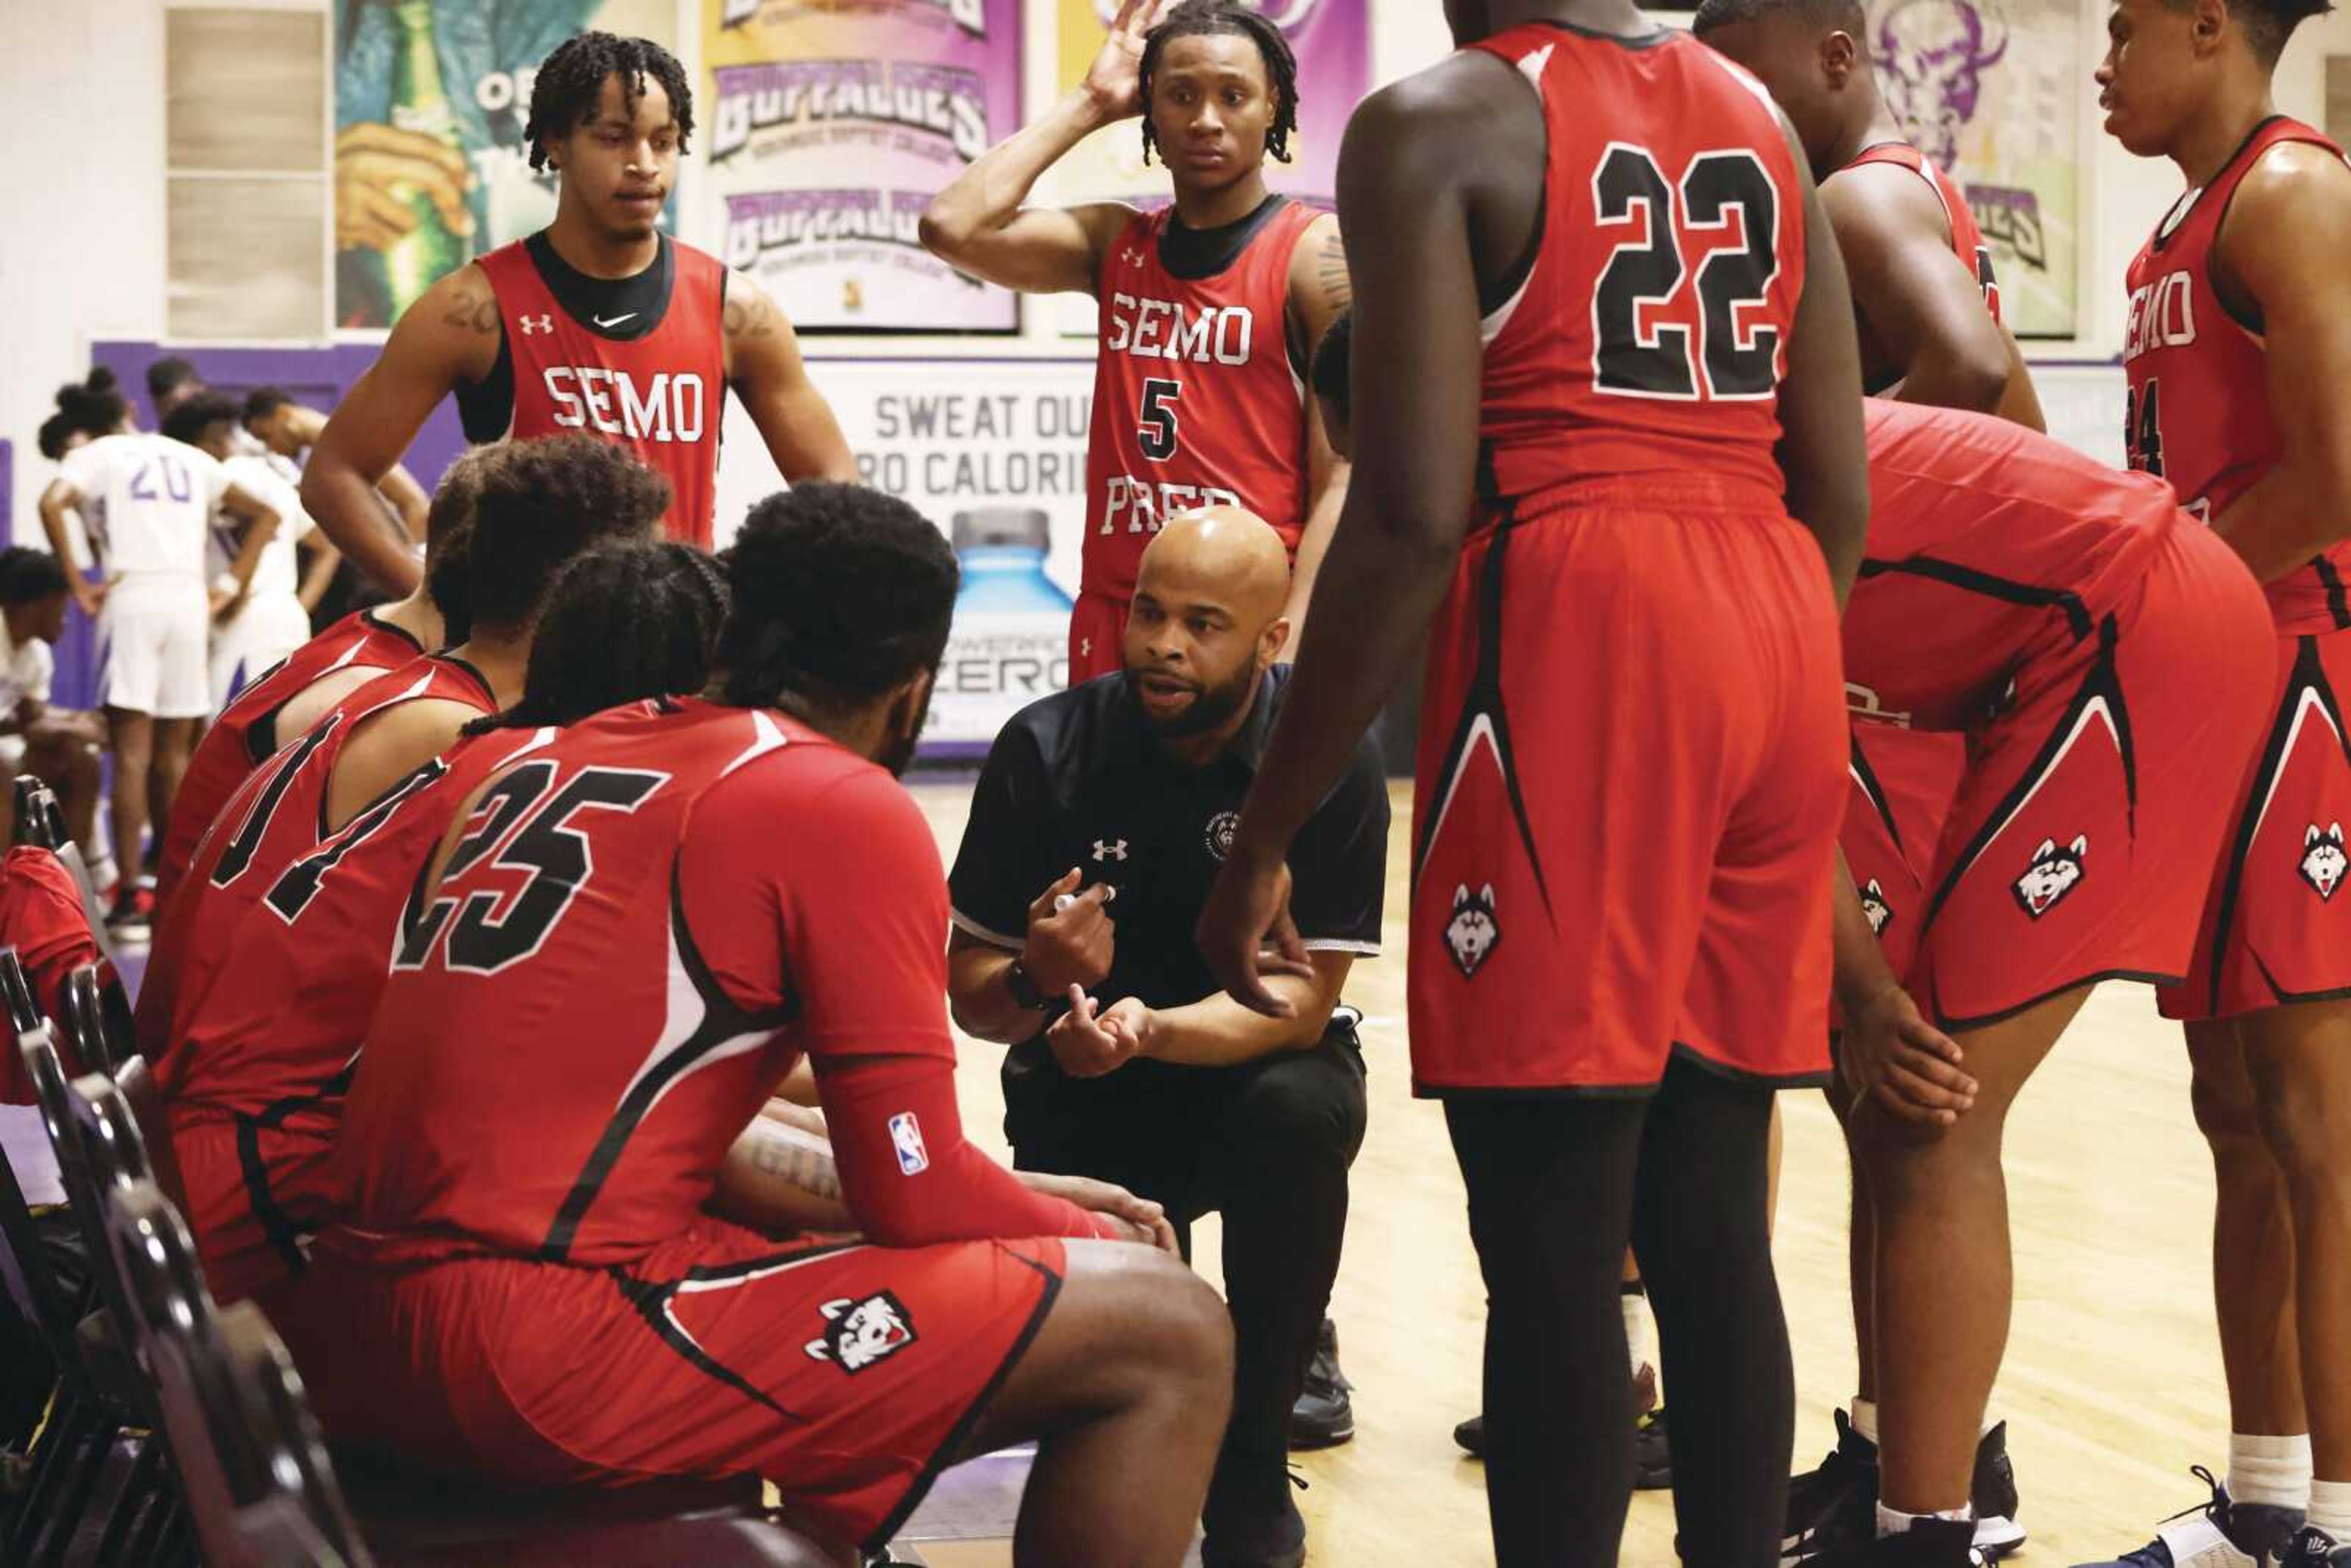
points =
(1116, 801)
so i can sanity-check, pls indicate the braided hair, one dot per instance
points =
(563, 95)
(842, 593)
(1207, 19)
(628, 619)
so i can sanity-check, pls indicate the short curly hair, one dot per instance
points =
(537, 503)
(628, 619)
(842, 593)
(563, 95)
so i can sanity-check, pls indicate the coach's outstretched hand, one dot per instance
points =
(1892, 1054)
(1245, 932)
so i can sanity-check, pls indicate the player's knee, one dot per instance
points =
(2305, 1134)
(2226, 1119)
(1299, 1111)
(1171, 1327)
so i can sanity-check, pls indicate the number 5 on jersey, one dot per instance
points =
(1674, 229)
(1157, 431)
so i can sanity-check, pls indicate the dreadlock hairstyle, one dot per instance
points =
(563, 96)
(840, 594)
(631, 619)
(1209, 19)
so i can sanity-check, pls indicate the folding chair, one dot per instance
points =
(41, 822)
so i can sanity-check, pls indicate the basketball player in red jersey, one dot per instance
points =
(1927, 312)
(600, 323)
(538, 504)
(546, 1101)
(314, 676)
(2238, 357)
(269, 1049)
(1210, 310)
(1606, 387)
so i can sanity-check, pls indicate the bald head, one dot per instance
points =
(1206, 621)
(1223, 556)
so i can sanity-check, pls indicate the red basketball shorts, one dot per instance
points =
(257, 1189)
(1899, 788)
(2095, 801)
(1631, 757)
(2271, 931)
(1097, 636)
(846, 1374)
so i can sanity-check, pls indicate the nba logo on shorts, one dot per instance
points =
(906, 1137)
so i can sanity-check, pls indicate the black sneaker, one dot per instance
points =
(1928, 1543)
(2313, 1548)
(1835, 1506)
(1324, 1416)
(1261, 1529)
(132, 918)
(1653, 1456)
(2219, 1534)
(1471, 1436)
(1993, 1496)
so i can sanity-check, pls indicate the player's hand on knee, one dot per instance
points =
(1071, 935)
(1893, 1055)
(1147, 1219)
(1088, 1044)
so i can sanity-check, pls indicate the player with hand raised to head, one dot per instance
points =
(1209, 309)
(600, 323)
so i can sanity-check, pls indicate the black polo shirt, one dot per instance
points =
(1078, 779)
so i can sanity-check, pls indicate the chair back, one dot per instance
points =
(84, 1022)
(40, 1296)
(33, 820)
(24, 1013)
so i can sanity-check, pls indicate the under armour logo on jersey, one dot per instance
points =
(1132, 256)
(2056, 870)
(1109, 849)
(1472, 932)
(1085, 647)
(2323, 860)
(532, 326)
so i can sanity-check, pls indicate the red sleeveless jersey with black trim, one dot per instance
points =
(295, 995)
(1650, 334)
(274, 817)
(244, 737)
(2198, 411)
(1197, 399)
(661, 394)
(1967, 238)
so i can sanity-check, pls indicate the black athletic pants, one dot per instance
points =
(1266, 1144)
(1557, 1187)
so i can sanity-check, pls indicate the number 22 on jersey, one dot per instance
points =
(1715, 228)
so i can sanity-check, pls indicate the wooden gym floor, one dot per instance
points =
(2112, 1383)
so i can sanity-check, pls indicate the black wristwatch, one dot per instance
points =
(1024, 989)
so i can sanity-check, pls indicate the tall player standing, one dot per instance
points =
(1927, 313)
(600, 323)
(2238, 355)
(1210, 309)
(1606, 390)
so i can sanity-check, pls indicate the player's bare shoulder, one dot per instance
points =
(453, 324)
(755, 325)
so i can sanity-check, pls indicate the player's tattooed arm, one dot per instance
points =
(780, 1178)
(2279, 261)
(765, 368)
(448, 337)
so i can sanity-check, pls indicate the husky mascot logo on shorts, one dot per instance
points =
(1472, 932)
(859, 1334)
(2054, 870)
(1875, 909)
(2323, 861)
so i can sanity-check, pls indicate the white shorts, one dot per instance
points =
(262, 634)
(151, 647)
(12, 757)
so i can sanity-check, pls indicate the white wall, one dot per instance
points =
(81, 215)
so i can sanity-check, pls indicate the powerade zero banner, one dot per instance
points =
(431, 97)
(829, 127)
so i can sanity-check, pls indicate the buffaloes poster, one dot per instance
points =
(829, 125)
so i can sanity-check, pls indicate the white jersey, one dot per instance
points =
(147, 502)
(26, 670)
(279, 573)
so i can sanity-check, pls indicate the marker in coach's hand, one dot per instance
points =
(1064, 900)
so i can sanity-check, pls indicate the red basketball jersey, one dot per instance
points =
(298, 987)
(1987, 541)
(1650, 333)
(274, 817)
(41, 917)
(1967, 238)
(660, 395)
(244, 737)
(2198, 411)
(1197, 399)
(583, 1013)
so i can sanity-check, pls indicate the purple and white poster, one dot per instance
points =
(829, 127)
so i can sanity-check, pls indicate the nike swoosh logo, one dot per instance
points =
(625, 316)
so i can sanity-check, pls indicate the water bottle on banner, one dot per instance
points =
(1010, 641)
(419, 103)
